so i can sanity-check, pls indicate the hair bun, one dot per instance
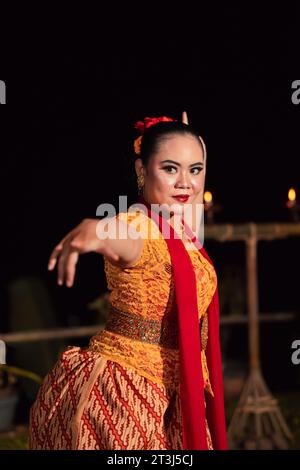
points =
(143, 125)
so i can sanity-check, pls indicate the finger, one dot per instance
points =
(57, 250)
(70, 267)
(54, 255)
(61, 266)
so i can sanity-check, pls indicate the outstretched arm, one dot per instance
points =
(113, 238)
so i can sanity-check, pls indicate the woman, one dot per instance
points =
(151, 379)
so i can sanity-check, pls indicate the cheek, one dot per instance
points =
(198, 182)
(164, 181)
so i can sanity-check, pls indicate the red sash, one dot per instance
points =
(191, 378)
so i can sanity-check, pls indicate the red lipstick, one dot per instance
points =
(182, 197)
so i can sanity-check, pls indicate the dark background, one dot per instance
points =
(74, 91)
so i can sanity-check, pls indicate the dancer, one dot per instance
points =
(152, 379)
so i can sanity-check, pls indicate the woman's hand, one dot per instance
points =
(82, 239)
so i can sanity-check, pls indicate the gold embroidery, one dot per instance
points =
(163, 332)
(204, 331)
(168, 268)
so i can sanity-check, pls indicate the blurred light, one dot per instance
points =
(292, 195)
(207, 196)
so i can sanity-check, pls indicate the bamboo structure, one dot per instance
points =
(257, 421)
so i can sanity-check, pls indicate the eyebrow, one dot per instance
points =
(178, 164)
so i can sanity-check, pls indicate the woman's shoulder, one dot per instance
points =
(132, 214)
(141, 222)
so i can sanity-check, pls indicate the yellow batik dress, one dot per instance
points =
(122, 392)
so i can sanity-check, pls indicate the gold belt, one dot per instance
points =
(164, 333)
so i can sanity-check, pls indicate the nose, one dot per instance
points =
(183, 180)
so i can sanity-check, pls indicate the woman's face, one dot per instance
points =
(177, 169)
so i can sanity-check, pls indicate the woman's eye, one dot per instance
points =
(169, 169)
(196, 170)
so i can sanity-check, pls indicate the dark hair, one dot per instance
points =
(155, 134)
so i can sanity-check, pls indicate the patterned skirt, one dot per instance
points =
(88, 402)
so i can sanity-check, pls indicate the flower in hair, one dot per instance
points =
(143, 125)
(137, 145)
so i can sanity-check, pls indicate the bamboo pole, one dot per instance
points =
(269, 231)
(252, 300)
(55, 333)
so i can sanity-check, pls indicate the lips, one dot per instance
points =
(182, 197)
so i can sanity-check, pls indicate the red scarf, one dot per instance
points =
(191, 378)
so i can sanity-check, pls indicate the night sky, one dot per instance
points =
(74, 94)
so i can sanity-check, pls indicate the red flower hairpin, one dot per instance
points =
(148, 122)
(143, 125)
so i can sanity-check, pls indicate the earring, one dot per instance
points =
(140, 183)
